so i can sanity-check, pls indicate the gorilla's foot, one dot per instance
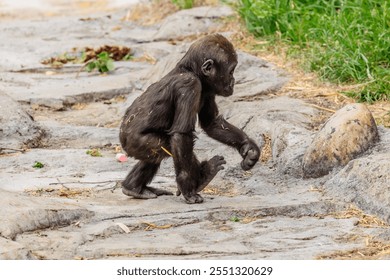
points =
(196, 198)
(146, 193)
(158, 192)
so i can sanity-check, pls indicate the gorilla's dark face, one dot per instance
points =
(227, 79)
(220, 75)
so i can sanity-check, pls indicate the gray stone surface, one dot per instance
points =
(17, 128)
(365, 181)
(32, 215)
(72, 208)
(191, 21)
(256, 77)
(345, 136)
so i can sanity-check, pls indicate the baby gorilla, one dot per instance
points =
(162, 121)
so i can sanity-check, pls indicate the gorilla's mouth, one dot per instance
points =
(228, 91)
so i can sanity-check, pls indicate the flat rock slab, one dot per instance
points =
(32, 215)
(73, 207)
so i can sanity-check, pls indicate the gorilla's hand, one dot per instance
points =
(250, 153)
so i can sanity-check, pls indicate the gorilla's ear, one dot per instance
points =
(208, 67)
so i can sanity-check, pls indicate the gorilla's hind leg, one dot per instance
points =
(135, 183)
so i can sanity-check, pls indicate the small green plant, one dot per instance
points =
(183, 4)
(128, 57)
(103, 63)
(234, 219)
(94, 153)
(38, 164)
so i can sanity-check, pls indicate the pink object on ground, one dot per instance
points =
(121, 157)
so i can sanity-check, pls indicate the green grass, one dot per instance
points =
(183, 4)
(345, 41)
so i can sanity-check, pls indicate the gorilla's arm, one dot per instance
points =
(219, 129)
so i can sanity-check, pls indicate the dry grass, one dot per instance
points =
(150, 226)
(365, 220)
(247, 220)
(226, 189)
(61, 192)
(374, 250)
(266, 151)
(145, 58)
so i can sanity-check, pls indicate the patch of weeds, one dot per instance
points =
(38, 164)
(94, 153)
(100, 59)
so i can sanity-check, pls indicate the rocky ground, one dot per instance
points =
(73, 207)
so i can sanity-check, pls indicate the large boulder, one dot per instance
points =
(346, 135)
